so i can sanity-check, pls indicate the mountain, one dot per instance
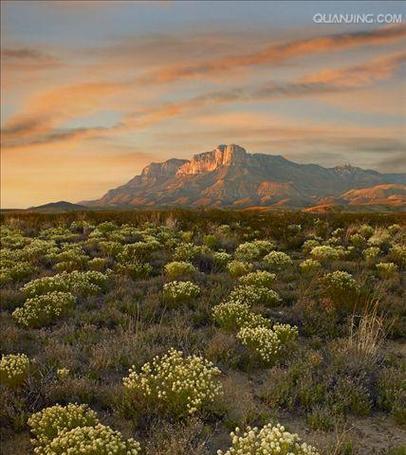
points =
(228, 176)
(60, 206)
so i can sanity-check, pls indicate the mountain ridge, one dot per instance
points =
(229, 176)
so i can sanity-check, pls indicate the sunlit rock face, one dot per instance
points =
(223, 155)
(228, 176)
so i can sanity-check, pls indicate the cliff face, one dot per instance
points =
(228, 176)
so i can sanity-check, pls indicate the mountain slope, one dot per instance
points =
(228, 176)
(60, 206)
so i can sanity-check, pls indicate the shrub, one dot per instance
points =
(178, 269)
(221, 259)
(50, 422)
(340, 285)
(233, 316)
(387, 269)
(14, 369)
(89, 440)
(277, 260)
(78, 283)
(269, 440)
(325, 253)
(180, 291)
(310, 266)
(398, 255)
(381, 237)
(308, 245)
(253, 251)
(371, 253)
(268, 344)
(135, 270)
(44, 309)
(238, 268)
(260, 278)
(366, 230)
(254, 295)
(175, 384)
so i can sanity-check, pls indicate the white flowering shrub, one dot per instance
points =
(180, 291)
(260, 278)
(278, 260)
(371, 253)
(135, 270)
(308, 245)
(44, 309)
(398, 255)
(394, 229)
(89, 440)
(238, 268)
(50, 422)
(139, 251)
(98, 264)
(178, 269)
(221, 259)
(232, 316)
(253, 251)
(14, 369)
(340, 285)
(325, 253)
(187, 251)
(11, 271)
(387, 269)
(269, 440)
(254, 295)
(78, 283)
(268, 344)
(358, 240)
(380, 237)
(175, 384)
(310, 266)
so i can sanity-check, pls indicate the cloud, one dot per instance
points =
(277, 53)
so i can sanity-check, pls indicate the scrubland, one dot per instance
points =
(184, 332)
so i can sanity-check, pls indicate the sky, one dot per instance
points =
(93, 91)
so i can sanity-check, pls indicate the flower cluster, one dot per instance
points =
(44, 309)
(260, 278)
(74, 429)
(14, 369)
(254, 295)
(253, 251)
(325, 253)
(48, 423)
(178, 269)
(232, 316)
(371, 253)
(180, 291)
(78, 283)
(239, 268)
(97, 440)
(269, 440)
(268, 344)
(221, 259)
(398, 255)
(11, 271)
(175, 384)
(310, 266)
(134, 270)
(387, 269)
(277, 260)
(339, 285)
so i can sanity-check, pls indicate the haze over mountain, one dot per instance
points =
(228, 176)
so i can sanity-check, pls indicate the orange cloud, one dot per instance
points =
(281, 52)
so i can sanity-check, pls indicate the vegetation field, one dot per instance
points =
(182, 332)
